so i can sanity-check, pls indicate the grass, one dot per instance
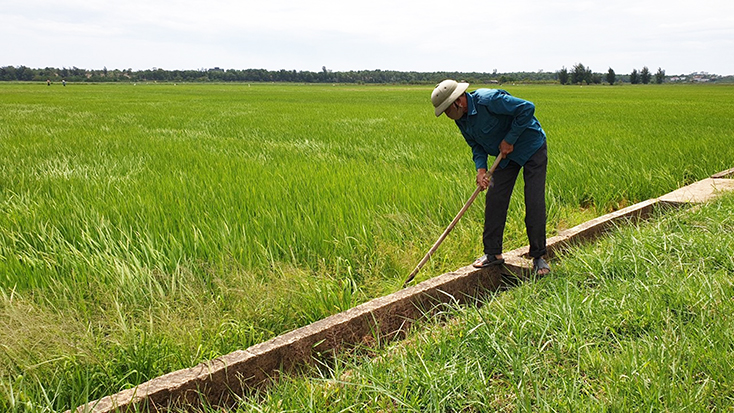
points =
(639, 321)
(146, 228)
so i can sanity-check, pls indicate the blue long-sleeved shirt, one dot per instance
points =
(493, 115)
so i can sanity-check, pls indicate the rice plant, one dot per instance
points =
(145, 228)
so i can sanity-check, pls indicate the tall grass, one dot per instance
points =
(146, 228)
(639, 321)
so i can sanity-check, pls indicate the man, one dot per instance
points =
(495, 123)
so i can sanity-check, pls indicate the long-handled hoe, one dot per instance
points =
(451, 225)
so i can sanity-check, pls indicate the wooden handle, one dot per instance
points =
(451, 225)
(496, 163)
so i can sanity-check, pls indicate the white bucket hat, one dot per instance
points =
(446, 93)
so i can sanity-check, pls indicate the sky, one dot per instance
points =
(681, 37)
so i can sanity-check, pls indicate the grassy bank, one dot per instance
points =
(639, 321)
(146, 228)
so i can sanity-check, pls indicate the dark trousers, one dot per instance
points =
(498, 200)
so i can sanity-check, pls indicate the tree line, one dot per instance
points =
(579, 74)
(74, 74)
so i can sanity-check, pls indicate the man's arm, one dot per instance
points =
(522, 112)
(479, 155)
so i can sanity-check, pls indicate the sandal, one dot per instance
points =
(539, 265)
(487, 260)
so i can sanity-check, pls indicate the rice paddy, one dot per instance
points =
(145, 228)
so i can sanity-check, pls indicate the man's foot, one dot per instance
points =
(488, 260)
(540, 267)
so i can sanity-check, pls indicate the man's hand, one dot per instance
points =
(482, 180)
(506, 148)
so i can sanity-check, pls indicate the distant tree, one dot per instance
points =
(24, 73)
(562, 76)
(634, 77)
(645, 75)
(611, 76)
(7, 73)
(660, 76)
(579, 73)
(589, 77)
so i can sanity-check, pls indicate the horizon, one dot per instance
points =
(202, 69)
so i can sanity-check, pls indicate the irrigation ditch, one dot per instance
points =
(220, 381)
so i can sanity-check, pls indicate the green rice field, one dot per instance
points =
(145, 228)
